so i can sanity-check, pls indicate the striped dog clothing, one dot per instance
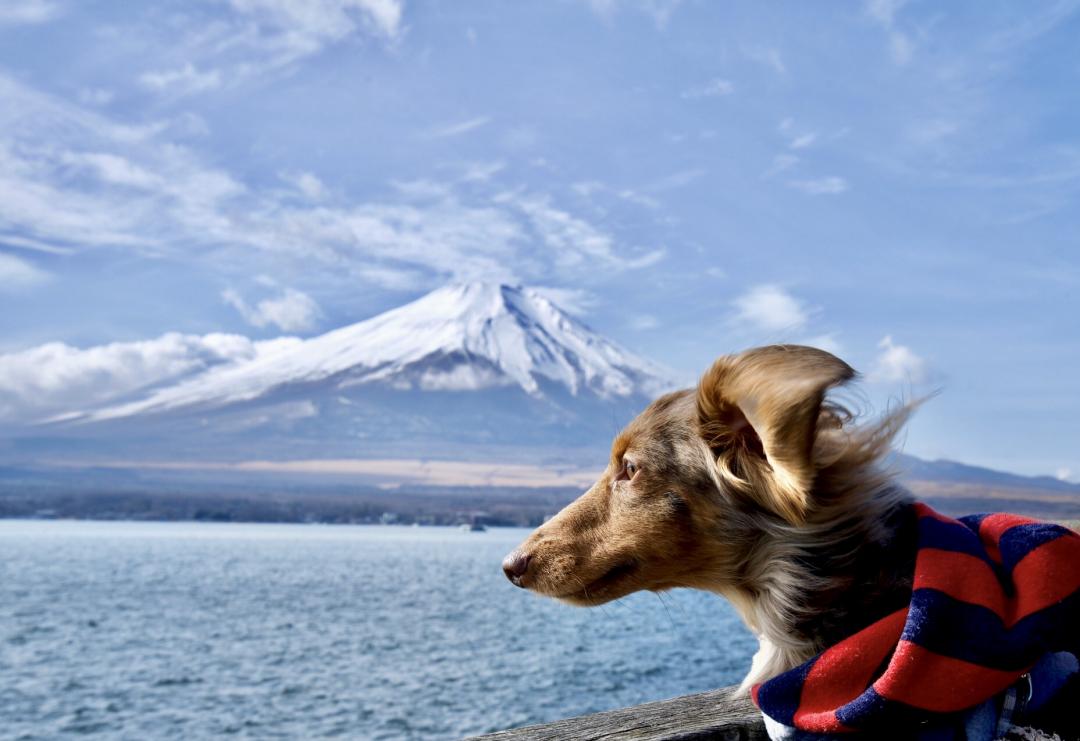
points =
(992, 596)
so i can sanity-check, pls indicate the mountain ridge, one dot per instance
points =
(467, 372)
(462, 337)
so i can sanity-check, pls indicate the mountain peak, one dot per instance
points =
(460, 337)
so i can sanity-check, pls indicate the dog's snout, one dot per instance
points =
(515, 565)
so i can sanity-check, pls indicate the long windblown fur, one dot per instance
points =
(755, 486)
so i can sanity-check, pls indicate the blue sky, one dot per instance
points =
(895, 181)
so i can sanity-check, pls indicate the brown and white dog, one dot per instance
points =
(753, 486)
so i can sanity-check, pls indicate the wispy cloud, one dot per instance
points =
(830, 185)
(712, 89)
(95, 96)
(827, 342)
(573, 241)
(797, 137)
(185, 79)
(781, 163)
(25, 12)
(1042, 19)
(259, 37)
(56, 376)
(883, 13)
(307, 184)
(588, 189)
(659, 10)
(643, 322)
(932, 131)
(458, 128)
(675, 180)
(291, 310)
(577, 301)
(897, 364)
(16, 273)
(72, 179)
(481, 172)
(771, 309)
(767, 56)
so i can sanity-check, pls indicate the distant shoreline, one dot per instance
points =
(329, 506)
(429, 506)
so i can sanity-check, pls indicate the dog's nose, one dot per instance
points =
(515, 565)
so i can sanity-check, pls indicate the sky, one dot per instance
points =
(893, 181)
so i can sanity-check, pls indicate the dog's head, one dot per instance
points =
(688, 480)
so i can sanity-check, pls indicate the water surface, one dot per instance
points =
(188, 630)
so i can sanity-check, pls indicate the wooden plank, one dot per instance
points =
(719, 714)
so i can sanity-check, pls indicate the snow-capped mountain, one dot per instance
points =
(472, 363)
(463, 337)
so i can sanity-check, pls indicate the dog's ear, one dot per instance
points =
(759, 412)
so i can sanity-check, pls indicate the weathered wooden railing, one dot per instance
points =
(719, 714)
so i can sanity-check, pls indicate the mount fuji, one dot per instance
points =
(474, 367)
(472, 385)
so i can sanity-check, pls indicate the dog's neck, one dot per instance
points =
(808, 588)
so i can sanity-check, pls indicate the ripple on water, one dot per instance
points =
(177, 630)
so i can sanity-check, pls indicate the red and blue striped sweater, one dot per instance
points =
(991, 596)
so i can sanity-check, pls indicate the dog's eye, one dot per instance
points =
(626, 470)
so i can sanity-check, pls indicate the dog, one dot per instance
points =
(759, 487)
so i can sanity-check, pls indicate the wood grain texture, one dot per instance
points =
(710, 715)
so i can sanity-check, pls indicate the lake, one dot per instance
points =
(188, 630)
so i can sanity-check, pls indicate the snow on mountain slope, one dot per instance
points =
(463, 337)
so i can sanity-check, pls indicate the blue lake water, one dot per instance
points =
(190, 630)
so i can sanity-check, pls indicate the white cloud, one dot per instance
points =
(711, 89)
(308, 184)
(259, 37)
(458, 128)
(781, 163)
(632, 196)
(520, 138)
(55, 377)
(26, 12)
(1064, 474)
(659, 10)
(71, 179)
(767, 56)
(112, 169)
(575, 242)
(577, 301)
(185, 79)
(304, 24)
(95, 96)
(932, 131)
(901, 47)
(17, 273)
(797, 139)
(831, 185)
(291, 310)
(884, 11)
(771, 309)
(676, 180)
(643, 322)
(572, 240)
(587, 189)
(897, 364)
(479, 172)
(826, 342)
